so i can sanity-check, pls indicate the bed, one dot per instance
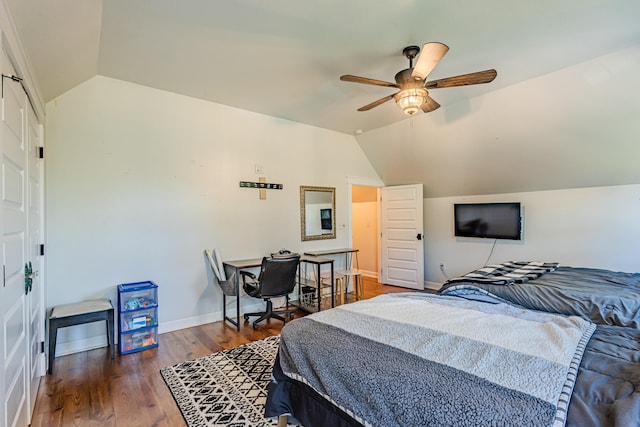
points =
(512, 344)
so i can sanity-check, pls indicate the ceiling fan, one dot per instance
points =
(413, 94)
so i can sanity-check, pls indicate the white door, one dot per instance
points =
(14, 357)
(35, 298)
(402, 244)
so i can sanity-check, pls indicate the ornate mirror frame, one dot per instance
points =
(314, 203)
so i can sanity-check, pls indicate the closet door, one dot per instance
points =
(14, 357)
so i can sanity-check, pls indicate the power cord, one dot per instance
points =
(444, 273)
(491, 253)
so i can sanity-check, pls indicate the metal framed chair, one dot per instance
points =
(277, 278)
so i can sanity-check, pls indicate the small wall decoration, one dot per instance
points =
(262, 185)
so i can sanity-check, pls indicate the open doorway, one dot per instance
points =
(365, 227)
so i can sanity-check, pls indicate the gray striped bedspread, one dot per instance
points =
(417, 359)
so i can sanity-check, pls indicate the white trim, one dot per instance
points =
(76, 346)
(432, 285)
(203, 319)
(367, 273)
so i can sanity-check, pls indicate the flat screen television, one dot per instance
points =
(488, 220)
(325, 219)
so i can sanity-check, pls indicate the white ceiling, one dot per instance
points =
(284, 58)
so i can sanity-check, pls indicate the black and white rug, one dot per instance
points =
(228, 388)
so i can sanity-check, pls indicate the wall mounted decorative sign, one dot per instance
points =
(262, 185)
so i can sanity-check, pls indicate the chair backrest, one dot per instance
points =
(278, 276)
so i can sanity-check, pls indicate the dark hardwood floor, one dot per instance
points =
(90, 389)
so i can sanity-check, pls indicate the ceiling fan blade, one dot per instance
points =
(431, 54)
(367, 81)
(430, 105)
(463, 80)
(375, 103)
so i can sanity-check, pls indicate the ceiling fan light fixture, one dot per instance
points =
(410, 100)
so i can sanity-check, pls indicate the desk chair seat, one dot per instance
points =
(76, 314)
(277, 279)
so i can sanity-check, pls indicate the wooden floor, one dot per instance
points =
(90, 389)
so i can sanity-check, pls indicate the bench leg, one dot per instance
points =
(110, 327)
(53, 337)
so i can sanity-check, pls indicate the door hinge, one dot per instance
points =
(42, 249)
(41, 152)
(41, 346)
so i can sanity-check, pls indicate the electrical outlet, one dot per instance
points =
(259, 169)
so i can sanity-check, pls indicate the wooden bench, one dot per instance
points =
(76, 314)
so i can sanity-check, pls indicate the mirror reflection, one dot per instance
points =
(317, 213)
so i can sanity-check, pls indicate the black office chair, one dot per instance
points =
(277, 279)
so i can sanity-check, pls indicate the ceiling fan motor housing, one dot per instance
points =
(405, 80)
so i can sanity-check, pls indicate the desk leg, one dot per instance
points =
(318, 283)
(347, 266)
(236, 282)
(333, 291)
(224, 306)
(237, 299)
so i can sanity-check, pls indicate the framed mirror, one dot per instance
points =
(317, 213)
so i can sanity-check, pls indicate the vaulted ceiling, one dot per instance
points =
(283, 58)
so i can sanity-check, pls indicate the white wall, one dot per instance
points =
(140, 181)
(589, 227)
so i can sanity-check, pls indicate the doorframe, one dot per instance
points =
(42, 273)
(364, 182)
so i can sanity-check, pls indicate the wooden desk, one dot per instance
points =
(348, 270)
(232, 270)
(318, 262)
(348, 252)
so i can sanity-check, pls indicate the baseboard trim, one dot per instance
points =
(64, 348)
(84, 344)
(216, 316)
(432, 285)
(367, 273)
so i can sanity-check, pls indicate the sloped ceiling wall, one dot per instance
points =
(548, 121)
(577, 127)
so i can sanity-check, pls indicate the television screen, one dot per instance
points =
(325, 219)
(487, 220)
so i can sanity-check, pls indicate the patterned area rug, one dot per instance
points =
(228, 388)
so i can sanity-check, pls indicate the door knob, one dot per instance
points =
(419, 236)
